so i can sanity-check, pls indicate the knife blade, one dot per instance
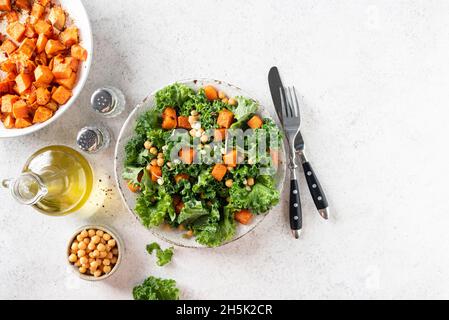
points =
(316, 191)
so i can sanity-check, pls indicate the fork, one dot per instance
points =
(291, 122)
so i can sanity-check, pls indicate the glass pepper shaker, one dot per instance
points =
(108, 101)
(93, 139)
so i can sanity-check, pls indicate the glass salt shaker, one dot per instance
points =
(93, 139)
(108, 101)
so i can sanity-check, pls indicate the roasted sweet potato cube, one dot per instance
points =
(183, 122)
(23, 82)
(29, 31)
(7, 102)
(69, 83)
(78, 52)
(42, 96)
(73, 63)
(42, 114)
(44, 2)
(27, 47)
(219, 134)
(169, 118)
(243, 216)
(43, 75)
(187, 155)
(16, 30)
(52, 106)
(8, 66)
(11, 76)
(219, 171)
(61, 95)
(23, 4)
(225, 118)
(57, 17)
(25, 66)
(53, 47)
(6, 86)
(20, 109)
(22, 123)
(69, 36)
(156, 173)
(37, 10)
(9, 122)
(230, 159)
(5, 5)
(181, 176)
(8, 46)
(12, 16)
(255, 122)
(43, 27)
(61, 68)
(41, 42)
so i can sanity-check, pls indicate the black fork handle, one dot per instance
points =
(295, 208)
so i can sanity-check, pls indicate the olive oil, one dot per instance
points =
(62, 177)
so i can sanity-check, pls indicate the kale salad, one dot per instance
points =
(202, 162)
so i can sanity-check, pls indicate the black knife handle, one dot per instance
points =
(314, 186)
(295, 206)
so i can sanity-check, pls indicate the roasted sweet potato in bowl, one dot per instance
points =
(46, 52)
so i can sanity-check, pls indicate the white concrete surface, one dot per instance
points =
(375, 77)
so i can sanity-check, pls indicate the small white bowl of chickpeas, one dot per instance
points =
(95, 252)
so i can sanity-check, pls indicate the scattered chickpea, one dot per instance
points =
(221, 95)
(250, 181)
(153, 150)
(147, 145)
(232, 101)
(160, 162)
(228, 183)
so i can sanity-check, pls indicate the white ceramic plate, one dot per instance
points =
(79, 17)
(127, 132)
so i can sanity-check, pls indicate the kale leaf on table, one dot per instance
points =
(163, 256)
(156, 289)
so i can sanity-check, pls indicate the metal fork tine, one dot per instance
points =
(296, 105)
(283, 103)
(289, 103)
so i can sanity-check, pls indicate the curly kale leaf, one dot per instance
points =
(174, 95)
(163, 256)
(156, 289)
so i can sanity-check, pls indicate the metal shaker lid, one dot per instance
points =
(102, 100)
(89, 139)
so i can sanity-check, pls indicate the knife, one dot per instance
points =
(318, 196)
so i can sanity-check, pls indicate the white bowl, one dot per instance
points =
(78, 15)
(174, 236)
(120, 247)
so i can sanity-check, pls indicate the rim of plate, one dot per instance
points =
(195, 245)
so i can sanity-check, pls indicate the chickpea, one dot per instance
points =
(95, 239)
(160, 155)
(84, 233)
(103, 241)
(204, 138)
(97, 274)
(225, 100)
(115, 251)
(96, 253)
(79, 238)
(232, 101)
(91, 232)
(147, 145)
(194, 113)
(73, 258)
(169, 164)
(84, 260)
(153, 150)
(245, 182)
(221, 95)
(188, 234)
(91, 255)
(91, 260)
(160, 162)
(250, 181)
(114, 260)
(106, 269)
(228, 183)
(98, 261)
(103, 254)
(101, 247)
(111, 243)
(106, 262)
(99, 233)
(74, 245)
(86, 240)
(110, 255)
(77, 263)
(82, 245)
(107, 236)
(248, 188)
(192, 132)
(94, 264)
(82, 269)
(91, 246)
(81, 253)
